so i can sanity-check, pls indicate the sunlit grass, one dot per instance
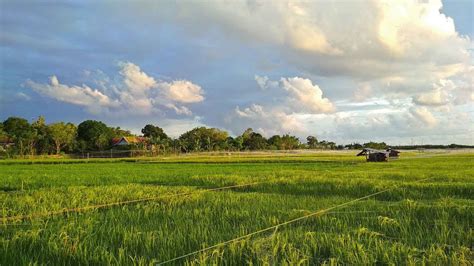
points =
(414, 223)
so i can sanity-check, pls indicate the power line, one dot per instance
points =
(119, 203)
(274, 227)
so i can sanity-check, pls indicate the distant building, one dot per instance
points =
(125, 141)
(393, 153)
(373, 155)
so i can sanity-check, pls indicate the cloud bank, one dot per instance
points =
(342, 70)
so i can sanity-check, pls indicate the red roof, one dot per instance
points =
(129, 140)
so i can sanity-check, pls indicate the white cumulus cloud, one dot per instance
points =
(433, 98)
(423, 115)
(265, 83)
(301, 94)
(182, 91)
(136, 81)
(355, 38)
(266, 121)
(135, 92)
(78, 95)
(301, 97)
(306, 95)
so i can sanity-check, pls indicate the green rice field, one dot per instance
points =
(69, 212)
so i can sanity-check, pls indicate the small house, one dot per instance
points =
(373, 155)
(125, 141)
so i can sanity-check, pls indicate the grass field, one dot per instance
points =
(427, 216)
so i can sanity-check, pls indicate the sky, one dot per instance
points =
(346, 71)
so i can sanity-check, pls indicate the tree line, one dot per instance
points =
(19, 137)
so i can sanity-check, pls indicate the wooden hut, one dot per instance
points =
(393, 153)
(373, 155)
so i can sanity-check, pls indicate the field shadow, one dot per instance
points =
(408, 191)
(9, 189)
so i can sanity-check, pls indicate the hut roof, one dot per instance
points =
(367, 151)
(128, 140)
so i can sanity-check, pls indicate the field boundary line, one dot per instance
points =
(275, 227)
(119, 203)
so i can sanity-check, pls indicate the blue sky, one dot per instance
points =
(394, 71)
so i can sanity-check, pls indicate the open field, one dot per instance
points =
(426, 216)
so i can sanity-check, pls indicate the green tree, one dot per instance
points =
(254, 141)
(228, 144)
(376, 145)
(4, 150)
(289, 142)
(275, 142)
(95, 134)
(312, 142)
(2, 132)
(20, 131)
(246, 134)
(204, 139)
(327, 145)
(285, 142)
(151, 131)
(238, 143)
(62, 135)
(331, 145)
(354, 146)
(118, 132)
(157, 137)
(43, 139)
